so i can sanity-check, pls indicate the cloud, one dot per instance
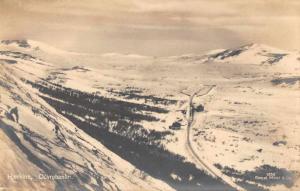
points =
(202, 24)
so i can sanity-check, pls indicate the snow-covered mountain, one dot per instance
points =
(121, 122)
(257, 54)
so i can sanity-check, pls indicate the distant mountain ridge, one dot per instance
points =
(252, 53)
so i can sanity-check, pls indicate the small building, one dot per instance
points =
(199, 108)
(175, 126)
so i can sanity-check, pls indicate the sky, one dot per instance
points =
(152, 27)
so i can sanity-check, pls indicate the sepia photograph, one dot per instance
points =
(149, 95)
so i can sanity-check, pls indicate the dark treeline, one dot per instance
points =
(102, 112)
(290, 80)
(111, 122)
(18, 55)
(135, 94)
(94, 101)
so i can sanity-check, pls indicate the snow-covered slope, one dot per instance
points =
(255, 54)
(258, 54)
(31, 45)
(42, 150)
(118, 122)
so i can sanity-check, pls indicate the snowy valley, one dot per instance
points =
(224, 120)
